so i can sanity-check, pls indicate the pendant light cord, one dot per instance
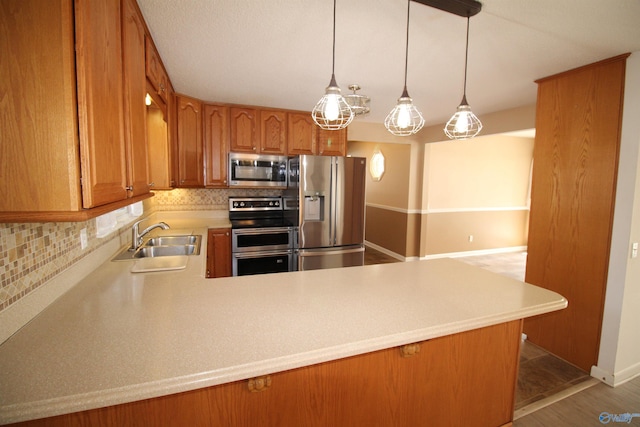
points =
(466, 57)
(333, 59)
(406, 52)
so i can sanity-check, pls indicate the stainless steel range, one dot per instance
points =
(262, 239)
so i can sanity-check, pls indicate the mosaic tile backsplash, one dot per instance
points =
(33, 253)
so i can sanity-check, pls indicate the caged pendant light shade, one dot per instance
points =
(463, 124)
(332, 111)
(404, 119)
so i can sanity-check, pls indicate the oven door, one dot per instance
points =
(261, 239)
(247, 263)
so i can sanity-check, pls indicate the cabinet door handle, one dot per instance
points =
(259, 383)
(152, 184)
(129, 187)
(409, 350)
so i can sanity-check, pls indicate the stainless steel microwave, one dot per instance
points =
(257, 170)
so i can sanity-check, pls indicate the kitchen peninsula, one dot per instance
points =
(389, 344)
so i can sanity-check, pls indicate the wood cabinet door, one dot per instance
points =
(159, 149)
(576, 154)
(244, 130)
(100, 101)
(219, 253)
(332, 142)
(155, 71)
(133, 37)
(302, 134)
(189, 142)
(273, 132)
(37, 47)
(216, 144)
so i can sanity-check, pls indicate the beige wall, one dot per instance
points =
(484, 172)
(393, 190)
(438, 194)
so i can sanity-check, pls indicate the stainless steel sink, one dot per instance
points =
(163, 246)
(157, 251)
(173, 240)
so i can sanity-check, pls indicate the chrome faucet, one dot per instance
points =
(136, 235)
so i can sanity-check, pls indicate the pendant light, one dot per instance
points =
(404, 119)
(332, 111)
(463, 124)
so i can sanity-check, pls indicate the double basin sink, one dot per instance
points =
(163, 246)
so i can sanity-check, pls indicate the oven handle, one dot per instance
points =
(304, 252)
(266, 230)
(260, 254)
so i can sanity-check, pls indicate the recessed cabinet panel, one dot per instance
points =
(155, 71)
(159, 152)
(216, 144)
(134, 95)
(273, 132)
(332, 142)
(189, 142)
(100, 102)
(244, 130)
(302, 134)
(219, 253)
(43, 129)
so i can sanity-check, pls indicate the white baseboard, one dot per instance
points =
(446, 255)
(478, 252)
(616, 378)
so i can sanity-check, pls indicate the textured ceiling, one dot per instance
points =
(278, 53)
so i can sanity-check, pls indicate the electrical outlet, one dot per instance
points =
(83, 239)
(470, 238)
(634, 250)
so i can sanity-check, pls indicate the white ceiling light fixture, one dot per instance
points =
(359, 103)
(404, 119)
(332, 111)
(463, 124)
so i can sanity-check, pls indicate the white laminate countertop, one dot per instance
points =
(118, 336)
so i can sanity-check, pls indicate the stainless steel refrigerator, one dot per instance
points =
(330, 193)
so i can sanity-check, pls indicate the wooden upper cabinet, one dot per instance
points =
(302, 134)
(244, 130)
(332, 142)
(216, 144)
(100, 102)
(273, 132)
(189, 142)
(155, 70)
(133, 50)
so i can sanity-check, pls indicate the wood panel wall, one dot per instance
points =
(578, 124)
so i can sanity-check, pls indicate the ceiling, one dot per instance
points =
(278, 53)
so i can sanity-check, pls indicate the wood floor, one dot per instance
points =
(372, 256)
(596, 406)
